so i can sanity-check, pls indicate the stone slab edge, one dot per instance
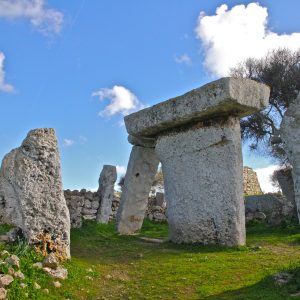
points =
(227, 96)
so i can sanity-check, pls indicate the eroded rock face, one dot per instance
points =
(107, 181)
(290, 135)
(32, 195)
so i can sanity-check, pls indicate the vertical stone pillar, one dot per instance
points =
(203, 171)
(140, 174)
(290, 135)
(107, 181)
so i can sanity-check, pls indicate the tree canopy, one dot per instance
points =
(279, 69)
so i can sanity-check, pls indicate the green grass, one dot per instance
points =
(105, 265)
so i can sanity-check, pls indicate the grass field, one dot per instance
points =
(105, 265)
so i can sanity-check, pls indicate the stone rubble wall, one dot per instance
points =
(84, 204)
(250, 181)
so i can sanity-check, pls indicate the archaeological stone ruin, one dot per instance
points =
(196, 137)
(289, 133)
(250, 182)
(107, 181)
(31, 193)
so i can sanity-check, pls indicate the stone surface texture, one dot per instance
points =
(83, 205)
(250, 182)
(140, 174)
(202, 169)
(290, 135)
(227, 96)
(31, 191)
(286, 183)
(275, 206)
(107, 181)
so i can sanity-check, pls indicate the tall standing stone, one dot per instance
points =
(140, 174)
(290, 135)
(107, 181)
(199, 145)
(32, 195)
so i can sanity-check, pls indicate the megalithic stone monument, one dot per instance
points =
(107, 181)
(290, 135)
(197, 139)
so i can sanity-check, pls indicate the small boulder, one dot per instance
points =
(50, 261)
(57, 284)
(6, 280)
(3, 293)
(13, 260)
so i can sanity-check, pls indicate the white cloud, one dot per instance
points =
(69, 142)
(4, 87)
(183, 59)
(121, 170)
(121, 99)
(264, 178)
(232, 35)
(45, 20)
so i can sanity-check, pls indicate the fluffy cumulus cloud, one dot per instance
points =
(232, 35)
(183, 59)
(121, 101)
(4, 87)
(44, 19)
(264, 178)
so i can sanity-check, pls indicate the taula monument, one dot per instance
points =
(31, 193)
(197, 139)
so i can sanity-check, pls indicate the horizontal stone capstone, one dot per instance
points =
(237, 97)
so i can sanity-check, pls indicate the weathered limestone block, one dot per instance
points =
(31, 189)
(198, 143)
(107, 181)
(286, 183)
(140, 174)
(202, 169)
(290, 135)
(223, 97)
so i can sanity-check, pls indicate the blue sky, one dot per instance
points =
(57, 54)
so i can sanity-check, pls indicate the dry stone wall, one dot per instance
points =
(84, 204)
(250, 182)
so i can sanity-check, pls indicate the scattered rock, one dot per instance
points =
(36, 286)
(6, 280)
(11, 271)
(57, 284)
(4, 253)
(23, 285)
(50, 261)
(46, 291)
(59, 273)
(37, 265)
(13, 260)
(3, 293)
(19, 275)
(108, 276)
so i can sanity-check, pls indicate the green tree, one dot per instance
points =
(279, 69)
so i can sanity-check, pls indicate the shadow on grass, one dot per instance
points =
(265, 289)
